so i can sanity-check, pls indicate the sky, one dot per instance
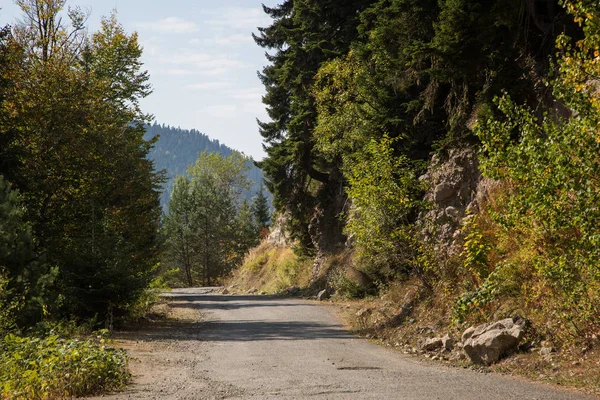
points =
(201, 58)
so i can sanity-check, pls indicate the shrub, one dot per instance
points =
(382, 188)
(51, 367)
(552, 164)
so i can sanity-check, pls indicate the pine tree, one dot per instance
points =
(260, 209)
(208, 229)
(304, 34)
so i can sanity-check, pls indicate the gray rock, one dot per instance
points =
(448, 343)
(443, 191)
(323, 295)
(468, 333)
(431, 344)
(544, 351)
(486, 343)
(252, 291)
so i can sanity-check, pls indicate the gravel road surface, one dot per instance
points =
(260, 347)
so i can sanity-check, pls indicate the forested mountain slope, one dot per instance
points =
(177, 148)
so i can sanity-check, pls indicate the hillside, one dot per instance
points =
(439, 161)
(177, 148)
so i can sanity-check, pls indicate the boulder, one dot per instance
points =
(431, 344)
(486, 343)
(445, 343)
(448, 343)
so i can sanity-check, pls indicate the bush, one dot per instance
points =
(552, 165)
(51, 367)
(383, 189)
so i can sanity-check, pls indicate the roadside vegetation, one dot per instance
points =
(406, 86)
(209, 226)
(79, 209)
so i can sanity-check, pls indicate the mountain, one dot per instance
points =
(177, 148)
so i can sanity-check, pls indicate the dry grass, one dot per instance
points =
(568, 367)
(271, 269)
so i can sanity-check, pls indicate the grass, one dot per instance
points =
(271, 269)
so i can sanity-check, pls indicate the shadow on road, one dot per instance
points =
(232, 330)
(226, 302)
(226, 331)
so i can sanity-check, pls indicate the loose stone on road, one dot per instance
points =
(260, 347)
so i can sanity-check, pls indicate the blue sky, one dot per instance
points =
(201, 59)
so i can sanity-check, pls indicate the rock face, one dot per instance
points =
(453, 180)
(277, 234)
(486, 343)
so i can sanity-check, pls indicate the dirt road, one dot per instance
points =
(256, 347)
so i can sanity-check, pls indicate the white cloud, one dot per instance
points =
(238, 18)
(230, 40)
(202, 63)
(169, 25)
(210, 85)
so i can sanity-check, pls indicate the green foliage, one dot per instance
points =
(303, 35)
(382, 189)
(260, 209)
(73, 131)
(51, 367)
(553, 169)
(208, 230)
(23, 277)
(473, 301)
(475, 250)
(346, 287)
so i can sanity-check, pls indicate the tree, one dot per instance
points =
(260, 209)
(90, 193)
(303, 35)
(248, 231)
(23, 275)
(208, 229)
(179, 230)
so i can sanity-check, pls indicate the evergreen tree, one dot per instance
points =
(260, 209)
(22, 274)
(304, 34)
(208, 228)
(179, 230)
(247, 231)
